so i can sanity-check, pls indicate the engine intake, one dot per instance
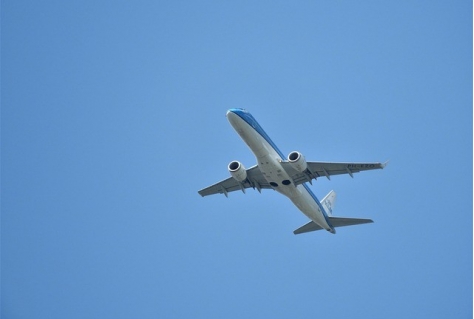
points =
(237, 171)
(297, 161)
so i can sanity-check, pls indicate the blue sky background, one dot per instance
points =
(113, 117)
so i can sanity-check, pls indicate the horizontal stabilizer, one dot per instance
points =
(335, 222)
(311, 226)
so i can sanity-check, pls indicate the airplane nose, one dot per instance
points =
(235, 112)
(232, 113)
(231, 117)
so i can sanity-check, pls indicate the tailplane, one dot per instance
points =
(328, 204)
(335, 222)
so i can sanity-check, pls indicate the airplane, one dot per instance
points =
(288, 176)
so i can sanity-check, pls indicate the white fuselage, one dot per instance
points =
(269, 162)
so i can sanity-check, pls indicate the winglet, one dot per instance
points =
(385, 164)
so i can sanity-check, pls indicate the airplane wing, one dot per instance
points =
(255, 179)
(326, 169)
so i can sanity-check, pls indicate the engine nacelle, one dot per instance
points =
(297, 161)
(238, 171)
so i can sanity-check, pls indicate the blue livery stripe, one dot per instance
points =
(250, 120)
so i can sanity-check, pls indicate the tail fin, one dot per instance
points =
(328, 202)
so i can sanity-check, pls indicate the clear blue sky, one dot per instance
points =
(113, 117)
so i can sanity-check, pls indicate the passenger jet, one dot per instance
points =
(287, 176)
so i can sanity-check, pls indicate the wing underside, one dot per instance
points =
(316, 170)
(254, 180)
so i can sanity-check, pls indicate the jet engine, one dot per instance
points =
(297, 161)
(238, 171)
